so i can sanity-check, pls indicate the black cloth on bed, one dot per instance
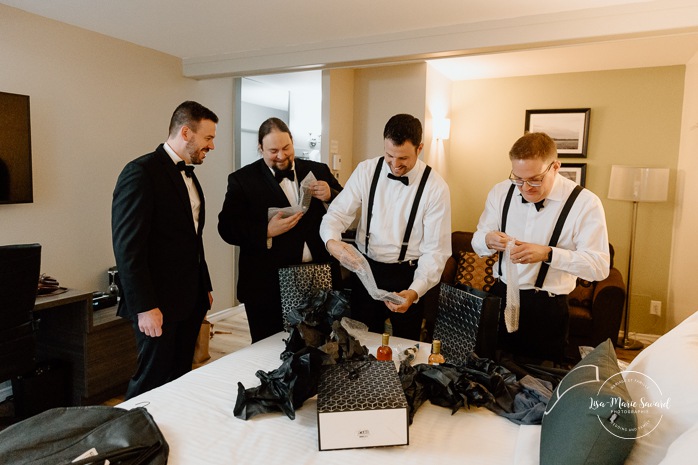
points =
(516, 395)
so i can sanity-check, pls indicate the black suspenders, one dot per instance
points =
(556, 232)
(505, 212)
(413, 212)
(371, 196)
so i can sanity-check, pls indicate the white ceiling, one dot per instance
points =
(670, 50)
(212, 30)
(188, 29)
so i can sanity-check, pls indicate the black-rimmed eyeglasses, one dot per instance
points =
(537, 182)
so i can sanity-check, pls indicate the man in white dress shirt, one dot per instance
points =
(382, 233)
(537, 197)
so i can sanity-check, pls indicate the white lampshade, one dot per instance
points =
(638, 184)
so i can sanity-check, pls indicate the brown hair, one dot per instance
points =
(534, 145)
(403, 127)
(269, 125)
(190, 114)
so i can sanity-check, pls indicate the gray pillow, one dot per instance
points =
(589, 419)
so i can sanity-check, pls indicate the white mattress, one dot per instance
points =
(195, 414)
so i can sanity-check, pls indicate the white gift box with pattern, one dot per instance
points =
(361, 404)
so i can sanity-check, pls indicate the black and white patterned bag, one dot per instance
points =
(298, 281)
(466, 321)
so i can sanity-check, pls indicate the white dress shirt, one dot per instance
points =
(581, 251)
(194, 199)
(430, 241)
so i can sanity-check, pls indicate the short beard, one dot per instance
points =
(193, 153)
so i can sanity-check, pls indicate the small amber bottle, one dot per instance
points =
(384, 352)
(435, 358)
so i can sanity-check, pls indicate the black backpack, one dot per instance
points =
(93, 434)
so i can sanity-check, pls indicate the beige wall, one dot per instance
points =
(438, 107)
(635, 120)
(97, 103)
(338, 84)
(380, 93)
(683, 292)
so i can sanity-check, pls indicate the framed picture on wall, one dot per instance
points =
(577, 172)
(569, 128)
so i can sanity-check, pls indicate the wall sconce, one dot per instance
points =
(442, 128)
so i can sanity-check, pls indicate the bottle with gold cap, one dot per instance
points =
(384, 352)
(436, 358)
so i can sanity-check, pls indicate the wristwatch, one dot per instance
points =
(549, 260)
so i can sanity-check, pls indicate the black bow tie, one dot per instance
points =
(538, 204)
(279, 175)
(188, 169)
(403, 179)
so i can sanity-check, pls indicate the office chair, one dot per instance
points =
(19, 277)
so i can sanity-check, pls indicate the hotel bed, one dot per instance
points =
(195, 414)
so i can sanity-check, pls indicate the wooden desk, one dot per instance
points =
(98, 346)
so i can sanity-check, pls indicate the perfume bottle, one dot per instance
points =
(435, 358)
(384, 352)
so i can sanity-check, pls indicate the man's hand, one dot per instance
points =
(150, 322)
(497, 240)
(525, 252)
(321, 190)
(347, 254)
(279, 225)
(409, 295)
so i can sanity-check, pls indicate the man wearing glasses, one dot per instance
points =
(556, 232)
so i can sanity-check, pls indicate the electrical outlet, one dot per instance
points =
(656, 307)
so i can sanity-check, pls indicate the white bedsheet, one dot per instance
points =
(195, 414)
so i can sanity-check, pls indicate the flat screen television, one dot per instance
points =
(15, 149)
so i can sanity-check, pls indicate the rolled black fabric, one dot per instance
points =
(316, 339)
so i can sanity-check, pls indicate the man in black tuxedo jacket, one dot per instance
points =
(266, 245)
(158, 214)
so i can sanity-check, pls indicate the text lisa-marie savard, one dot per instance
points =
(627, 407)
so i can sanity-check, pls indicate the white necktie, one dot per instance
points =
(511, 311)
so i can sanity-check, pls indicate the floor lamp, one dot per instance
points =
(636, 184)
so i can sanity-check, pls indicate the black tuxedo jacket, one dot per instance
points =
(159, 254)
(252, 190)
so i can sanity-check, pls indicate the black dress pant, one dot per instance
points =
(167, 357)
(394, 277)
(264, 314)
(543, 325)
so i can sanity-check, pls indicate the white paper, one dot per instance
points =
(366, 277)
(303, 200)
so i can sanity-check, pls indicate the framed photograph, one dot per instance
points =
(569, 129)
(577, 172)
